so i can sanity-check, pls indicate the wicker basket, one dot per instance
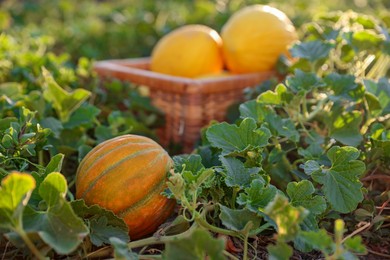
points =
(188, 104)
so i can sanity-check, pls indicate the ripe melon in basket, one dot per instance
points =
(188, 51)
(127, 174)
(254, 37)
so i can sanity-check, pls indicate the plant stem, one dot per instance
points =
(304, 107)
(234, 195)
(339, 232)
(100, 253)
(306, 131)
(149, 257)
(203, 223)
(29, 244)
(246, 247)
(317, 109)
(160, 240)
(40, 158)
(357, 231)
(230, 255)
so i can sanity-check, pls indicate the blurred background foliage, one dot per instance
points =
(130, 28)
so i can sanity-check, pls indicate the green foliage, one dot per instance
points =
(341, 184)
(121, 250)
(292, 162)
(199, 245)
(231, 138)
(238, 219)
(15, 192)
(50, 105)
(103, 224)
(63, 102)
(338, 248)
(57, 226)
(295, 157)
(257, 196)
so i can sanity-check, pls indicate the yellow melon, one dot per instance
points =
(254, 37)
(188, 51)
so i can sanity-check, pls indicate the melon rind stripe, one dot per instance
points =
(129, 139)
(113, 166)
(156, 188)
(81, 172)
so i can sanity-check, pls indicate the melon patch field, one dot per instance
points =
(96, 165)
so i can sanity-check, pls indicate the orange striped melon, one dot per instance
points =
(127, 174)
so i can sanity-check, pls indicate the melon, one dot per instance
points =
(126, 175)
(188, 51)
(254, 37)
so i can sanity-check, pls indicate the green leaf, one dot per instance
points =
(355, 244)
(190, 177)
(176, 186)
(237, 174)
(11, 89)
(373, 103)
(311, 166)
(278, 97)
(179, 225)
(199, 245)
(380, 138)
(341, 184)
(121, 250)
(386, 47)
(280, 251)
(6, 122)
(232, 138)
(58, 226)
(345, 127)
(15, 192)
(341, 85)
(366, 40)
(103, 223)
(303, 81)
(311, 50)
(253, 109)
(83, 150)
(83, 116)
(54, 125)
(368, 22)
(319, 240)
(209, 157)
(53, 189)
(103, 133)
(381, 90)
(286, 217)
(237, 219)
(301, 194)
(257, 196)
(55, 164)
(191, 163)
(63, 102)
(280, 126)
(7, 141)
(101, 231)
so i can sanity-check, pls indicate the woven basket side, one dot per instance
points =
(188, 104)
(216, 104)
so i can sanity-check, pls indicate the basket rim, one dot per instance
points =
(133, 69)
